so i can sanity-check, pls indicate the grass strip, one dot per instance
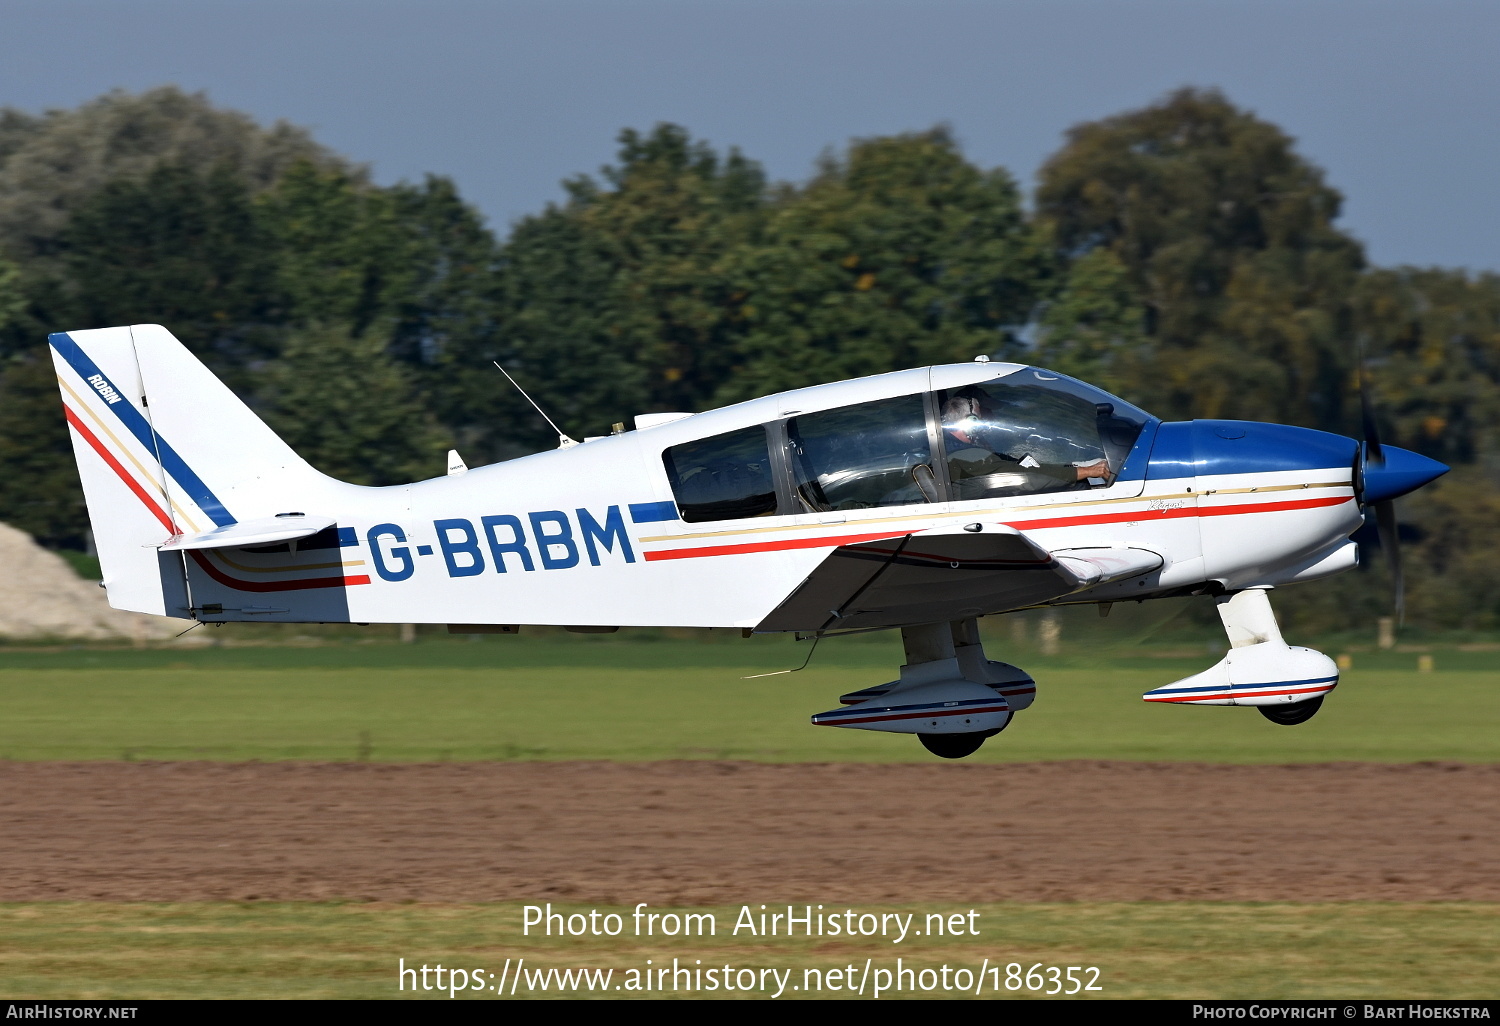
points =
(625, 712)
(86, 950)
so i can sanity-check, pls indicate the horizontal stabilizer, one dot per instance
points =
(284, 527)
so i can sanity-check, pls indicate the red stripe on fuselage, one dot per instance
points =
(1096, 518)
(1186, 511)
(771, 546)
(120, 471)
(305, 584)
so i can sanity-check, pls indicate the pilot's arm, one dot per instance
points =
(1029, 475)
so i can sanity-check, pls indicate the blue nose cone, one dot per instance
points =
(1401, 471)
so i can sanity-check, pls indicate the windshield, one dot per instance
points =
(1032, 432)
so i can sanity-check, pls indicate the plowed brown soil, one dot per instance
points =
(711, 832)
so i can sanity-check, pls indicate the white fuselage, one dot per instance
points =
(589, 535)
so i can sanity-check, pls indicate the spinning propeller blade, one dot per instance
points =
(1385, 525)
(1386, 473)
(1385, 512)
(1373, 452)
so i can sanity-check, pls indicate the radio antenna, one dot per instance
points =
(563, 441)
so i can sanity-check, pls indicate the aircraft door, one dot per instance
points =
(871, 455)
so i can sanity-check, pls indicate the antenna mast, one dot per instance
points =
(563, 441)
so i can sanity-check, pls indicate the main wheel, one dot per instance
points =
(955, 746)
(1290, 715)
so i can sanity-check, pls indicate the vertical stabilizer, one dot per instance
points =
(163, 449)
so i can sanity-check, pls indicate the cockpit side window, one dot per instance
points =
(858, 457)
(1032, 432)
(722, 477)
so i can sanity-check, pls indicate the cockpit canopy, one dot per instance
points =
(1025, 433)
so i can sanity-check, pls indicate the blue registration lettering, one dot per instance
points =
(398, 552)
(517, 544)
(614, 527)
(465, 545)
(547, 541)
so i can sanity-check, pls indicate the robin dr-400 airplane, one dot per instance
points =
(920, 500)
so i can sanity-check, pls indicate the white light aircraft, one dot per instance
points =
(920, 499)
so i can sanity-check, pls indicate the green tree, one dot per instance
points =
(1094, 325)
(50, 165)
(617, 302)
(1433, 339)
(675, 213)
(554, 334)
(350, 410)
(12, 298)
(413, 263)
(338, 246)
(39, 489)
(901, 253)
(448, 291)
(176, 247)
(1228, 238)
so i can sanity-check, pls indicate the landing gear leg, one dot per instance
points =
(948, 694)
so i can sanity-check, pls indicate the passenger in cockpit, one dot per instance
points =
(967, 414)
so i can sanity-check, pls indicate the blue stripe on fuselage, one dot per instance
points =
(131, 417)
(653, 512)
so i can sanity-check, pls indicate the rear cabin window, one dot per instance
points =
(723, 477)
(858, 457)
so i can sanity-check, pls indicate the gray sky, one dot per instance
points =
(1398, 101)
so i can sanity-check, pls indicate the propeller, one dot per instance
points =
(1386, 527)
(1385, 474)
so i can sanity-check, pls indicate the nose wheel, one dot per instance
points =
(1291, 715)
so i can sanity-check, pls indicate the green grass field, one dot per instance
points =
(645, 697)
(1143, 950)
(541, 698)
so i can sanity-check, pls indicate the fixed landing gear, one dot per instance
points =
(956, 746)
(1286, 683)
(949, 694)
(1291, 715)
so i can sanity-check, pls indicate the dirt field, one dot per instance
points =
(697, 833)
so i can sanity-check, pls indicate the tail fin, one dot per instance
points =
(164, 449)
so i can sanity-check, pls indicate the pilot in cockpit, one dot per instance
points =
(968, 419)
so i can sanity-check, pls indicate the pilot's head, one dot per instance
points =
(966, 412)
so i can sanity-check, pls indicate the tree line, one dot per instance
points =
(1183, 255)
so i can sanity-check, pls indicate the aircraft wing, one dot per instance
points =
(944, 574)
